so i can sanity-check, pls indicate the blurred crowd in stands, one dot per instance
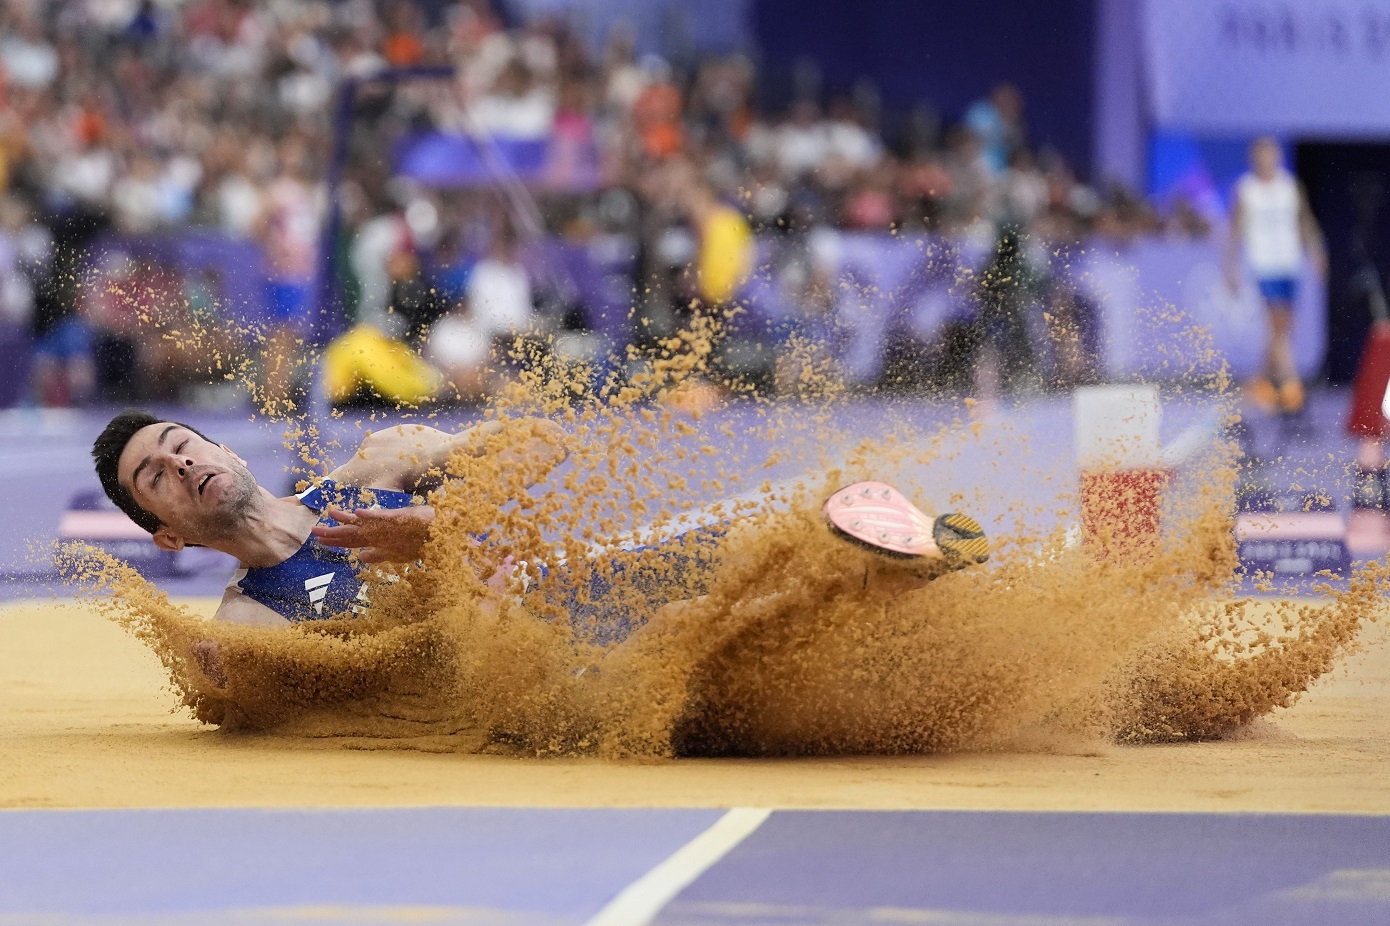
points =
(147, 118)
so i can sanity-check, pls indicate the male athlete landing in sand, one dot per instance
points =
(293, 552)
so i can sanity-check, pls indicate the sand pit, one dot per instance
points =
(86, 720)
(1009, 685)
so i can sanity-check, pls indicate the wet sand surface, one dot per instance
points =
(87, 720)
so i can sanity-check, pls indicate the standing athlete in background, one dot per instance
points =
(1272, 224)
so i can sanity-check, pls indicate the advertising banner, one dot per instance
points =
(1312, 68)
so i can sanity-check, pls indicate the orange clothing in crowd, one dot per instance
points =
(402, 49)
(89, 126)
(657, 116)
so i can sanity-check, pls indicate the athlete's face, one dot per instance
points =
(1265, 158)
(200, 491)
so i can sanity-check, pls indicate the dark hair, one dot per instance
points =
(107, 454)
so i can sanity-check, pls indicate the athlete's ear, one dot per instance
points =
(167, 540)
(233, 454)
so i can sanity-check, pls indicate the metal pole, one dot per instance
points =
(328, 319)
(329, 312)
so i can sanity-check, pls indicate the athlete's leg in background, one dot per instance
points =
(1279, 356)
(1279, 359)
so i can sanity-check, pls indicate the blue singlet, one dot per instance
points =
(318, 581)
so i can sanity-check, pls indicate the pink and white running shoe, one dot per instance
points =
(879, 517)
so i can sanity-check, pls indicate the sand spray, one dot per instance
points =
(769, 635)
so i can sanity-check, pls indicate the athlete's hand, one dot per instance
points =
(394, 535)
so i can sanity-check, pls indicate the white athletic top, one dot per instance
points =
(1269, 211)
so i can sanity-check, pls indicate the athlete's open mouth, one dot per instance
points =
(202, 483)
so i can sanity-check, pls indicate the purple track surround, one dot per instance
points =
(471, 865)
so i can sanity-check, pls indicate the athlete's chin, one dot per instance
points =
(224, 508)
(223, 491)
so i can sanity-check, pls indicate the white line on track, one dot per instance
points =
(640, 902)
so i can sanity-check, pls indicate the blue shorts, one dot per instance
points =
(1279, 289)
(673, 569)
(286, 303)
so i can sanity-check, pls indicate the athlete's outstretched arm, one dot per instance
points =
(415, 458)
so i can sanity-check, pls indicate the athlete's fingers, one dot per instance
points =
(343, 516)
(337, 530)
(343, 536)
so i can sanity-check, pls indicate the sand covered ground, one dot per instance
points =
(86, 720)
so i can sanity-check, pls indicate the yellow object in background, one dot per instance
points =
(364, 359)
(726, 254)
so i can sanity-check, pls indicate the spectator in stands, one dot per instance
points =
(404, 45)
(871, 205)
(64, 366)
(234, 193)
(28, 58)
(723, 260)
(925, 186)
(1021, 191)
(997, 122)
(499, 288)
(1185, 221)
(848, 137)
(288, 228)
(413, 297)
(724, 256)
(571, 163)
(473, 341)
(657, 111)
(164, 366)
(1010, 290)
(971, 180)
(26, 256)
(802, 268)
(460, 347)
(377, 240)
(136, 197)
(802, 142)
(720, 107)
(518, 106)
(85, 169)
(106, 328)
(622, 81)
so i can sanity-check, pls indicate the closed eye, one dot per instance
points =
(154, 481)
